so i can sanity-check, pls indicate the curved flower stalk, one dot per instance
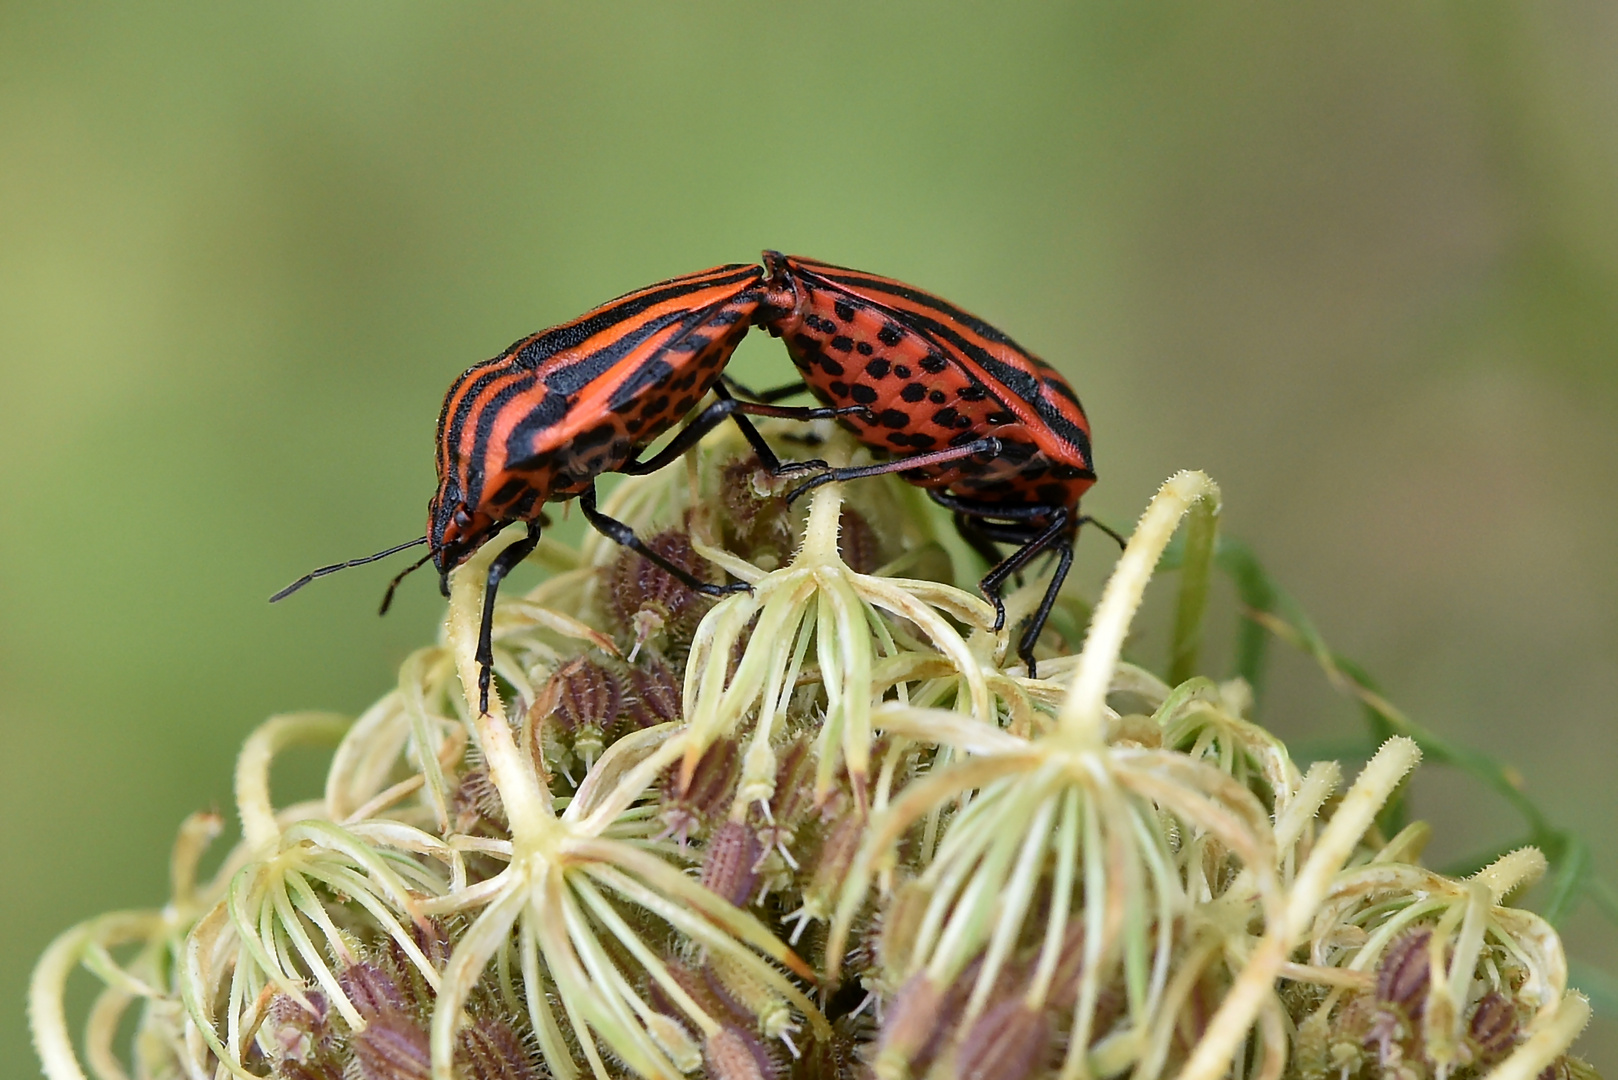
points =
(155, 936)
(622, 868)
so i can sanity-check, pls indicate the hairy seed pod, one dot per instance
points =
(700, 988)
(837, 1058)
(654, 695)
(765, 1009)
(918, 1023)
(301, 1041)
(489, 1049)
(730, 865)
(754, 523)
(644, 601)
(392, 1047)
(1404, 972)
(584, 700)
(1491, 1030)
(836, 855)
(794, 798)
(734, 1054)
(477, 800)
(432, 938)
(687, 812)
(857, 542)
(371, 990)
(307, 1070)
(1008, 1042)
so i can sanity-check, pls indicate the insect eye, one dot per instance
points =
(463, 517)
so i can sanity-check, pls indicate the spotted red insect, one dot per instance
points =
(994, 434)
(540, 421)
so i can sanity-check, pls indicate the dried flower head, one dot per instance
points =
(822, 829)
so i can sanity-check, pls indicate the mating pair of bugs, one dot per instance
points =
(993, 433)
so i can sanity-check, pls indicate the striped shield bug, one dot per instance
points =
(994, 434)
(541, 420)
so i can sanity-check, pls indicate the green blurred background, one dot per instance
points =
(1362, 267)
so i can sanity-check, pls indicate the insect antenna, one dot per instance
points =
(334, 567)
(1121, 541)
(387, 597)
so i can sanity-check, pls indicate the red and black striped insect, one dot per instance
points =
(540, 421)
(994, 434)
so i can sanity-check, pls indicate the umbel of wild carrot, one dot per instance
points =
(825, 828)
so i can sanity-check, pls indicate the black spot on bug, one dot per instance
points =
(901, 370)
(805, 342)
(838, 388)
(962, 438)
(845, 310)
(864, 348)
(964, 422)
(974, 392)
(830, 366)
(657, 406)
(894, 418)
(1063, 471)
(842, 343)
(1001, 418)
(922, 441)
(899, 438)
(946, 417)
(936, 397)
(890, 335)
(914, 392)
(863, 394)
(933, 363)
(878, 368)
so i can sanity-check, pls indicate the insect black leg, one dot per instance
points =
(768, 396)
(727, 406)
(1036, 626)
(617, 531)
(987, 445)
(684, 439)
(995, 579)
(498, 569)
(978, 540)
